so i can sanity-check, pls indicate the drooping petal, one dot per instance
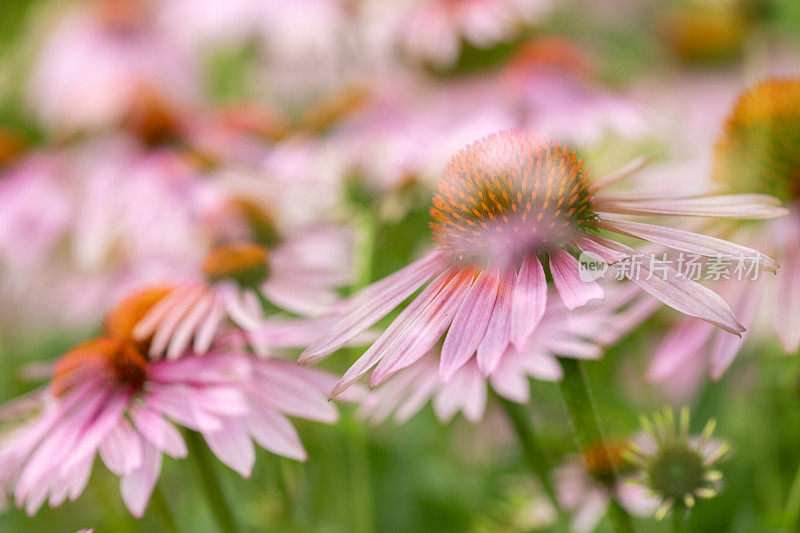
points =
(686, 241)
(373, 303)
(753, 206)
(232, 445)
(498, 331)
(376, 351)
(161, 434)
(137, 486)
(574, 291)
(121, 450)
(725, 347)
(274, 432)
(421, 334)
(529, 301)
(469, 325)
(786, 314)
(678, 292)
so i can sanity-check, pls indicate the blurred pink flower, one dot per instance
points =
(549, 84)
(94, 63)
(583, 490)
(507, 202)
(433, 30)
(106, 397)
(35, 210)
(299, 274)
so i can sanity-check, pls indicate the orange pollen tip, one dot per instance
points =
(105, 356)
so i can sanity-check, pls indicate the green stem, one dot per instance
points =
(204, 463)
(575, 390)
(364, 248)
(677, 519)
(158, 504)
(357, 449)
(531, 448)
(792, 510)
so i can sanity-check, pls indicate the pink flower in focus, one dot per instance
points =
(94, 63)
(106, 397)
(506, 203)
(434, 29)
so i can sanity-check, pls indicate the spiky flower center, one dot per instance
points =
(677, 471)
(245, 263)
(759, 150)
(510, 194)
(107, 358)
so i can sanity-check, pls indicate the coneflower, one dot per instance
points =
(676, 467)
(757, 152)
(511, 209)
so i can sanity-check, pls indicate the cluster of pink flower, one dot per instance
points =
(220, 239)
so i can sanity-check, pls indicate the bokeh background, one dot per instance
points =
(356, 110)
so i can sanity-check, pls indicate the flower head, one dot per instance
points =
(106, 397)
(757, 151)
(675, 466)
(508, 205)
(299, 274)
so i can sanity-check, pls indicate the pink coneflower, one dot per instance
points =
(586, 485)
(507, 203)
(35, 210)
(755, 153)
(299, 274)
(581, 335)
(434, 29)
(106, 397)
(97, 60)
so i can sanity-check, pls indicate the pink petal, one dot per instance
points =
(685, 295)
(754, 206)
(121, 450)
(469, 325)
(177, 312)
(498, 331)
(725, 347)
(373, 303)
(465, 391)
(375, 352)
(232, 445)
(686, 241)
(529, 301)
(275, 433)
(573, 290)
(161, 434)
(421, 334)
(683, 343)
(137, 486)
(183, 333)
(786, 314)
